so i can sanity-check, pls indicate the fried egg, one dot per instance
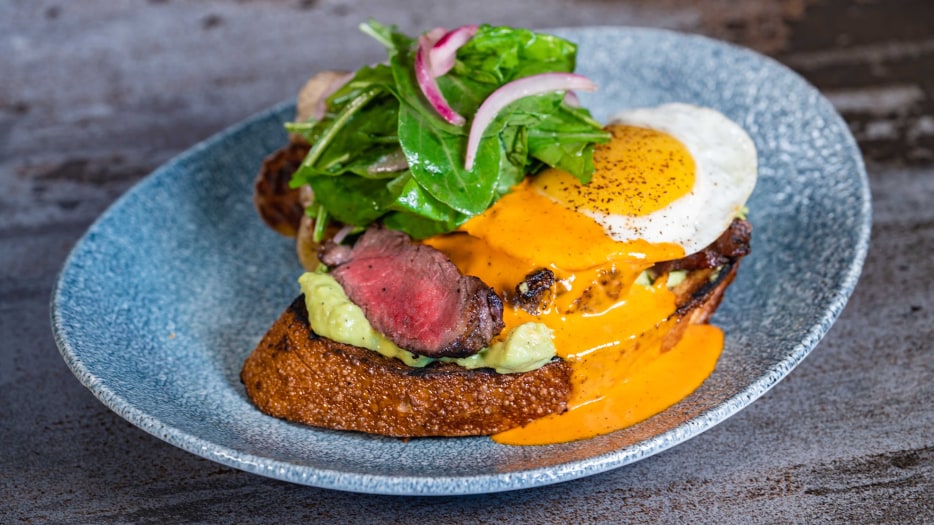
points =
(676, 173)
(669, 183)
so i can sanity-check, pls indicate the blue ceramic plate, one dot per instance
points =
(168, 292)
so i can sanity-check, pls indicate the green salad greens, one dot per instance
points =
(381, 112)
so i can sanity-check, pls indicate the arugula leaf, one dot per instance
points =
(363, 142)
(320, 155)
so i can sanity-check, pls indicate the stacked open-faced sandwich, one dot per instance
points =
(483, 257)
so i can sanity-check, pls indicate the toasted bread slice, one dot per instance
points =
(698, 296)
(296, 375)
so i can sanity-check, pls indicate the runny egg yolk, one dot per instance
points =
(609, 329)
(640, 171)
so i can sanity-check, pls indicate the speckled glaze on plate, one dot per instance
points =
(168, 292)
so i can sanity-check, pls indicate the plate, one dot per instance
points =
(170, 289)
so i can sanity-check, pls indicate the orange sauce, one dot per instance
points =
(613, 313)
(608, 328)
(640, 171)
(639, 392)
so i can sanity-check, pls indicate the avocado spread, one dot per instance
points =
(331, 314)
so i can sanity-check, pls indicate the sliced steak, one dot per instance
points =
(414, 295)
(732, 243)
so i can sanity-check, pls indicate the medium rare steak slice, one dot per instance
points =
(414, 295)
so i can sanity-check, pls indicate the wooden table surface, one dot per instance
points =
(95, 94)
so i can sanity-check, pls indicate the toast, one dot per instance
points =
(296, 375)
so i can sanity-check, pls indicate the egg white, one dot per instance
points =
(726, 172)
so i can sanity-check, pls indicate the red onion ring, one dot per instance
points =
(437, 51)
(513, 91)
(444, 51)
(435, 34)
(429, 85)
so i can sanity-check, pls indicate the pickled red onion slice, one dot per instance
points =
(513, 91)
(444, 51)
(429, 85)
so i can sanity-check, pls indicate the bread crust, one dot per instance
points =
(698, 297)
(296, 375)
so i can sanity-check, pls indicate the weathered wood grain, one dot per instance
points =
(95, 94)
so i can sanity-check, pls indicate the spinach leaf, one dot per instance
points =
(436, 159)
(352, 199)
(497, 55)
(418, 227)
(565, 139)
(411, 198)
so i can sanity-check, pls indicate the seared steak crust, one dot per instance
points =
(535, 290)
(414, 295)
(731, 245)
(299, 376)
